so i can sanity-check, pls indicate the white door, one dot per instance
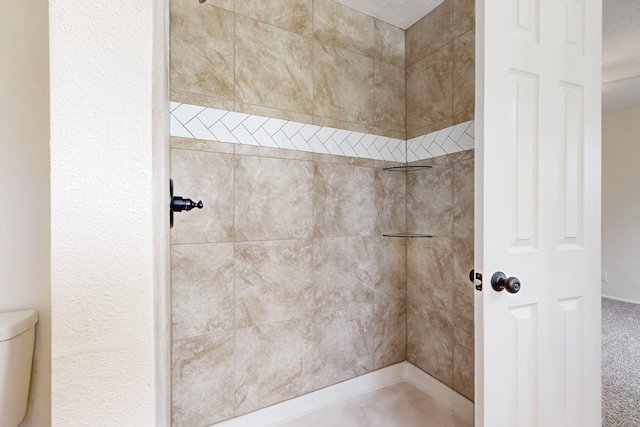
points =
(538, 212)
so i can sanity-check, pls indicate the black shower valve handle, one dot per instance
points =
(179, 204)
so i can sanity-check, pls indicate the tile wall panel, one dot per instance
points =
(389, 43)
(264, 56)
(343, 345)
(214, 224)
(430, 201)
(344, 272)
(202, 380)
(440, 297)
(389, 95)
(273, 198)
(340, 95)
(430, 340)
(286, 287)
(273, 281)
(343, 197)
(463, 61)
(202, 291)
(430, 90)
(463, 17)
(391, 262)
(202, 49)
(429, 34)
(430, 271)
(274, 362)
(291, 15)
(260, 60)
(440, 68)
(390, 323)
(391, 201)
(343, 27)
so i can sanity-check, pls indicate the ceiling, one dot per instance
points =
(620, 42)
(620, 55)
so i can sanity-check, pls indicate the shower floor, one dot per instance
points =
(398, 405)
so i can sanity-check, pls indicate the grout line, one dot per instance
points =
(235, 292)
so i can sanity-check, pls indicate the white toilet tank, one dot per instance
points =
(17, 339)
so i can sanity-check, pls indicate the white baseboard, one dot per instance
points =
(621, 299)
(401, 372)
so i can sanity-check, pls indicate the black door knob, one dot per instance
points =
(500, 282)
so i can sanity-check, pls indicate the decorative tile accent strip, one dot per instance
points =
(192, 121)
(445, 141)
(211, 124)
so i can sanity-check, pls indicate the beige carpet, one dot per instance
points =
(620, 364)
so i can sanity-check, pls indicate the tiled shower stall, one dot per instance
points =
(284, 115)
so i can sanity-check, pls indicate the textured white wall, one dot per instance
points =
(621, 203)
(24, 181)
(103, 165)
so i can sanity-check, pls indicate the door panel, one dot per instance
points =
(538, 211)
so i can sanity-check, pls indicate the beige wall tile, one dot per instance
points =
(291, 15)
(430, 272)
(341, 124)
(463, 289)
(340, 26)
(201, 289)
(343, 85)
(273, 198)
(391, 197)
(430, 89)
(273, 281)
(274, 362)
(203, 100)
(389, 95)
(343, 345)
(274, 67)
(389, 43)
(356, 127)
(462, 155)
(463, 361)
(388, 132)
(214, 222)
(430, 127)
(430, 201)
(463, 18)
(429, 34)
(464, 77)
(260, 110)
(433, 161)
(430, 340)
(343, 160)
(277, 153)
(202, 54)
(224, 4)
(463, 204)
(202, 380)
(344, 200)
(391, 260)
(390, 319)
(344, 272)
(201, 145)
